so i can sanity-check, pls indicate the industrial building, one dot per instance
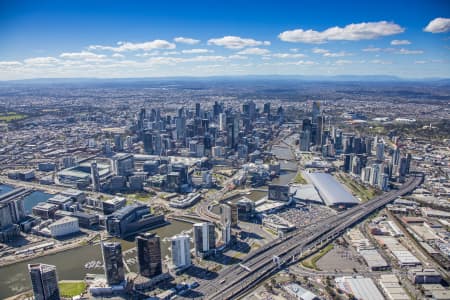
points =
(331, 191)
(391, 287)
(360, 287)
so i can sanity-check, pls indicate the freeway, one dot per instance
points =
(236, 280)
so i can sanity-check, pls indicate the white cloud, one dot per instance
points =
(343, 62)
(400, 42)
(10, 63)
(328, 53)
(320, 51)
(128, 46)
(185, 40)
(372, 49)
(420, 62)
(235, 56)
(407, 52)
(288, 55)
(236, 42)
(118, 55)
(254, 51)
(170, 53)
(203, 58)
(196, 51)
(82, 55)
(438, 25)
(351, 32)
(380, 62)
(336, 54)
(167, 60)
(42, 61)
(305, 62)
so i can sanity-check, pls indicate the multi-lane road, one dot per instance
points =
(237, 280)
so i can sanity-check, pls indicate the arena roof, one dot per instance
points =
(331, 191)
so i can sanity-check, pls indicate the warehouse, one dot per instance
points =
(360, 287)
(331, 191)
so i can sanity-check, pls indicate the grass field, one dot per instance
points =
(12, 116)
(71, 288)
(311, 263)
(299, 178)
(359, 190)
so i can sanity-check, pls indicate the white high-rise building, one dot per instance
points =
(226, 233)
(181, 252)
(204, 238)
(222, 121)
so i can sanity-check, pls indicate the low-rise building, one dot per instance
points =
(64, 226)
(424, 276)
(45, 210)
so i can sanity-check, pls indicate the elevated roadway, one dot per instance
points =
(235, 281)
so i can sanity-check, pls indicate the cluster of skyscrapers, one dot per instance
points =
(355, 151)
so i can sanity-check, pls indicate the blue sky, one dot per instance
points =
(200, 38)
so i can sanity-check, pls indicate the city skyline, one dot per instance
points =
(111, 40)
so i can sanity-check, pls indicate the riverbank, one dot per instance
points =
(62, 248)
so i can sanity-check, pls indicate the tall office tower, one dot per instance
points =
(396, 156)
(95, 177)
(216, 109)
(249, 110)
(338, 142)
(147, 139)
(123, 164)
(181, 252)
(129, 143)
(197, 110)
(226, 233)
(181, 127)
(280, 113)
(305, 140)
(374, 174)
(222, 121)
(266, 109)
(204, 238)
(306, 125)
(315, 110)
(149, 254)
(229, 214)
(408, 162)
(113, 262)
(368, 142)
(319, 131)
(347, 163)
(357, 145)
(118, 142)
(141, 118)
(380, 151)
(403, 166)
(44, 281)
